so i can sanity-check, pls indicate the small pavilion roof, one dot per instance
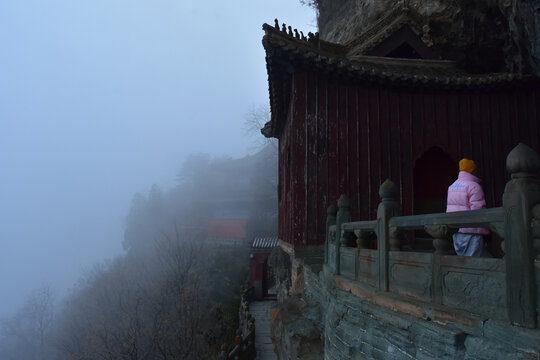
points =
(265, 242)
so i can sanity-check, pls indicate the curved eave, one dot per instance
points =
(285, 53)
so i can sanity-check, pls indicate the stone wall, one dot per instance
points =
(327, 322)
(482, 35)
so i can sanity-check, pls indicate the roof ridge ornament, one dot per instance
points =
(294, 33)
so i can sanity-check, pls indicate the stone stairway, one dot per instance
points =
(261, 311)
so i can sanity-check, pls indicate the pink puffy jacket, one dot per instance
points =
(466, 194)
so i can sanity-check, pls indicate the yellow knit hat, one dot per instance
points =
(467, 165)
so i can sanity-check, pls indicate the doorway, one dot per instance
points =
(433, 173)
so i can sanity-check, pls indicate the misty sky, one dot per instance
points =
(100, 99)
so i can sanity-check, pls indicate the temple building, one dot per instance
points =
(385, 105)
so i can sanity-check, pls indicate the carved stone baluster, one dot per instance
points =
(442, 238)
(362, 238)
(396, 238)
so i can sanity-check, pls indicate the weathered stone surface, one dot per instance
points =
(295, 332)
(363, 327)
(483, 35)
(348, 262)
(410, 274)
(280, 263)
(464, 286)
(332, 254)
(367, 267)
(297, 277)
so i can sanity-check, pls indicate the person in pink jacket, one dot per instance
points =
(466, 194)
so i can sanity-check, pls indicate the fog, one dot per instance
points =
(101, 99)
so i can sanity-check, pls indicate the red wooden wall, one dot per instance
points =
(347, 137)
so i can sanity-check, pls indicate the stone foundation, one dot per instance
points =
(330, 321)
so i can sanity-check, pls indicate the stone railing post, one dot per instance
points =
(388, 208)
(536, 232)
(520, 201)
(343, 216)
(330, 221)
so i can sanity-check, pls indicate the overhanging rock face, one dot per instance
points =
(484, 35)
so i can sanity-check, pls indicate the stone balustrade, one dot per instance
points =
(504, 289)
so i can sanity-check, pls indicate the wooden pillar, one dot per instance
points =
(521, 196)
(388, 208)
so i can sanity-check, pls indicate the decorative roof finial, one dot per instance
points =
(276, 22)
(290, 30)
(284, 27)
(296, 34)
(302, 34)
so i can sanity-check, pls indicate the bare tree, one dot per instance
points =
(27, 335)
(140, 307)
(256, 118)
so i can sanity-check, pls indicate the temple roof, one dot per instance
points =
(350, 60)
(287, 49)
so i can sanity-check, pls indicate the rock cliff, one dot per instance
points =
(482, 35)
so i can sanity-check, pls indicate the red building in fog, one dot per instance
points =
(384, 106)
(227, 232)
(259, 276)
